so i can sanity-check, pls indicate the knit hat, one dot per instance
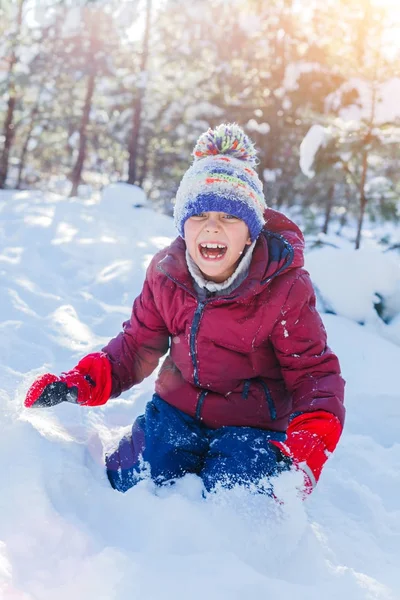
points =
(222, 179)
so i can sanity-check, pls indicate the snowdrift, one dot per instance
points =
(69, 271)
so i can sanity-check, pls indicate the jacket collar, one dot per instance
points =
(279, 247)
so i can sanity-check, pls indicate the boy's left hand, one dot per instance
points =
(311, 437)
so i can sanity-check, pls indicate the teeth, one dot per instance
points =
(204, 245)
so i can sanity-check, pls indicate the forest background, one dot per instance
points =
(95, 92)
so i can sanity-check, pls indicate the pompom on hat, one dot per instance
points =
(222, 179)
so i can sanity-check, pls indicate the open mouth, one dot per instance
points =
(212, 251)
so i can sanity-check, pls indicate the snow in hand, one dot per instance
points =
(70, 269)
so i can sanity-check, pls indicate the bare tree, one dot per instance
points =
(76, 175)
(8, 127)
(328, 208)
(32, 121)
(138, 102)
(98, 23)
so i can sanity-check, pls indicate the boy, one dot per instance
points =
(249, 387)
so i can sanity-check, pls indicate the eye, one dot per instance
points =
(231, 217)
(199, 216)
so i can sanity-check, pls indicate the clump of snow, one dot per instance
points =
(328, 239)
(85, 191)
(271, 175)
(262, 128)
(294, 70)
(392, 330)
(386, 104)
(352, 282)
(123, 193)
(316, 137)
(376, 187)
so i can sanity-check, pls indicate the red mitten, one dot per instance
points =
(311, 437)
(89, 383)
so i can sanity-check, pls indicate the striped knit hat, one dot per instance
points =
(222, 179)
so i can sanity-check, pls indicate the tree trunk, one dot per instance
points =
(8, 139)
(279, 196)
(76, 175)
(364, 163)
(138, 104)
(363, 198)
(8, 128)
(24, 151)
(328, 208)
(145, 162)
(343, 216)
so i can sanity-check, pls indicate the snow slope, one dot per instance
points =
(69, 271)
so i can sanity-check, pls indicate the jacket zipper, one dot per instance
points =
(194, 327)
(193, 333)
(200, 403)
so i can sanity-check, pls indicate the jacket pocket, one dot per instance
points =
(266, 391)
(268, 396)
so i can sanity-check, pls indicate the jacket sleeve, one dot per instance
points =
(134, 354)
(309, 367)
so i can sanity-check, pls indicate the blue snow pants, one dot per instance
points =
(172, 444)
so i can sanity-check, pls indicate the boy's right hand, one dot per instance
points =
(49, 390)
(89, 383)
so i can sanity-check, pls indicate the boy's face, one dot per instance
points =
(228, 237)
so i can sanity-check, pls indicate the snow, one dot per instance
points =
(353, 281)
(386, 107)
(377, 186)
(271, 175)
(262, 128)
(125, 194)
(294, 70)
(69, 271)
(316, 137)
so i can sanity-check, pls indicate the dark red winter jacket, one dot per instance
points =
(250, 358)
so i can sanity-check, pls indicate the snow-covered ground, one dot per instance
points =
(69, 271)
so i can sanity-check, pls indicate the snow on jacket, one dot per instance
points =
(250, 358)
